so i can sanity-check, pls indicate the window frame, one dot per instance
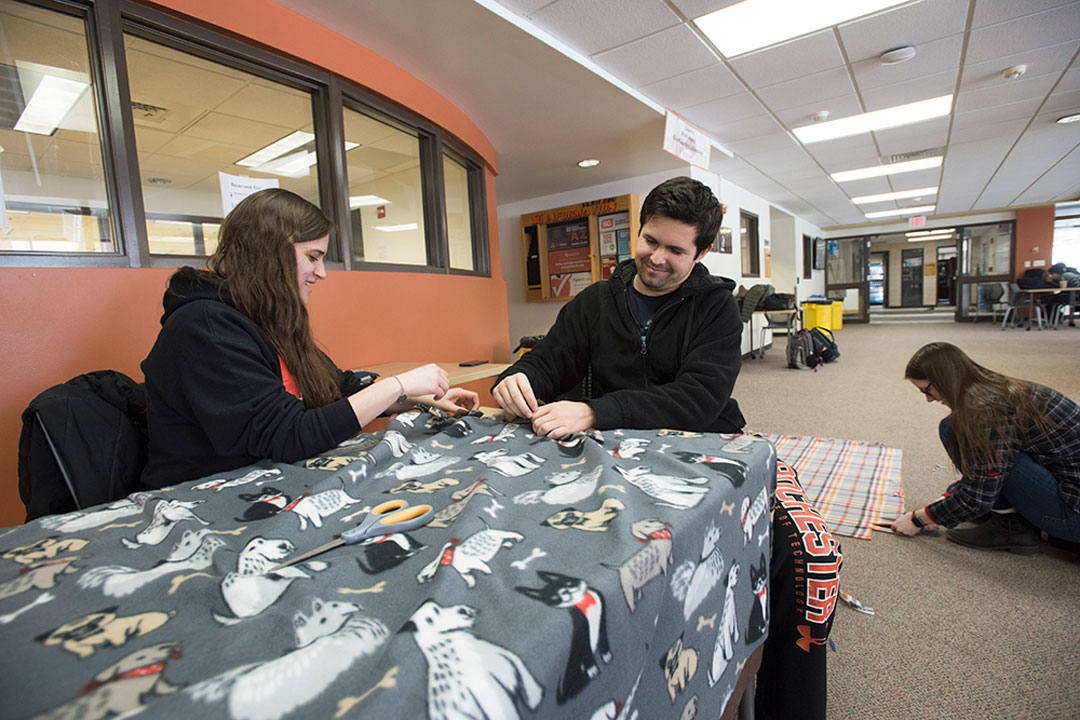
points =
(107, 22)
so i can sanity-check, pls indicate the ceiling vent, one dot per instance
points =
(148, 113)
(914, 155)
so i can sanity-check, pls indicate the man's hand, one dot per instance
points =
(562, 418)
(515, 395)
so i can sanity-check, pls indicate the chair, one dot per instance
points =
(992, 297)
(777, 320)
(83, 443)
(1018, 302)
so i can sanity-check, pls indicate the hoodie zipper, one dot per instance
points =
(645, 337)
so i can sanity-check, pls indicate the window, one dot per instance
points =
(987, 249)
(807, 256)
(748, 237)
(386, 192)
(195, 121)
(459, 223)
(53, 192)
(203, 131)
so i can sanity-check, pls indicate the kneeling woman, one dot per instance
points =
(1017, 445)
(235, 375)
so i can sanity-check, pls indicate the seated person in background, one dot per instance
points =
(1017, 445)
(658, 344)
(235, 375)
(661, 339)
(1039, 278)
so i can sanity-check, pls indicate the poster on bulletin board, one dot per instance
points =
(567, 285)
(568, 248)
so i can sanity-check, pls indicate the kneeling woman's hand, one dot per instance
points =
(455, 400)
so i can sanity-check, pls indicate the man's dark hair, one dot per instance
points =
(689, 201)
(1057, 268)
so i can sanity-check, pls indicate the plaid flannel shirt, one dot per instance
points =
(1057, 450)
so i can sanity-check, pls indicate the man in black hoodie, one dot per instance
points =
(656, 345)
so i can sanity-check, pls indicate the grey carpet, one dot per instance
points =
(958, 633)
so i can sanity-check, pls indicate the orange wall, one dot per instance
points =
(1034, 237)
(59, 322)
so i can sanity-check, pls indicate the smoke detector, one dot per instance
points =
(1014, 72)
(820, 116)
(897, 55)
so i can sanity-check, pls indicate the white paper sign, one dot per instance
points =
(235, 188)
(686, 142)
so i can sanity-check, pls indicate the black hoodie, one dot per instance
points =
(217, 401)
(680, 377)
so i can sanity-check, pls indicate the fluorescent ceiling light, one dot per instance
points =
(901, 211)
(395, 228)
(875, 120)
(754, 24)
(893, 169)
(924, 238)
(901, 195)
(359, 201)
(277, 149)
(49, 105)
(938, 231)
(296, 165)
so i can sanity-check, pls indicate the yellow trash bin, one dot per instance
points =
(837, 314)
(817, 315)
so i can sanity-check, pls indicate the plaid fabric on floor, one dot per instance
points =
(851, 483)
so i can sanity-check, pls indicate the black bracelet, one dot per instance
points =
(915, 519)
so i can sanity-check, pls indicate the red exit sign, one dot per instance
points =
(917, 221)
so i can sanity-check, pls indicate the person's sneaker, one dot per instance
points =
(1010, 532)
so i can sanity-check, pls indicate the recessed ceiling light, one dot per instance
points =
(901, 195)
(875, 120)
(891, 169)
(897, 55)
(753, 24)
(1014, 72)
(901, 211)
(1075, 117)
(588, 163)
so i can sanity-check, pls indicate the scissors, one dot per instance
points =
(888, 526)
(390, 517)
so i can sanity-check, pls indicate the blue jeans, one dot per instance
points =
(1030, 489)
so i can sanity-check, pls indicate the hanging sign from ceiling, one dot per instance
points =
(686, 141)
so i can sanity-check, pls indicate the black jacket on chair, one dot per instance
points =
(83, 443)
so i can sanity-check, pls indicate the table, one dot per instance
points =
(791, 321)
(458, 374)
(605, 571)
(1031, 293)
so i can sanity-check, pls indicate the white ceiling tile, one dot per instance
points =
(696, 8)
(989, 12)
(1063, 103)
(1022, 110)
(1050, 59)
(812, 88)
(591, 26)
(789, 60)
(845, 153)
(657, 57)
(716, 113)
(1070, 81)
(866, 186)
(693, 88)
(968, 167)
(933, 58)
(744, 129)
(837, 107)
(1066, 172)
(972, 131)
(525, 8)
(1005, 92)
(909, 92)
(777, 140)
(1030, 32)
(910, 24)
(909, 138)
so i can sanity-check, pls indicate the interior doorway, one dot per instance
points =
(911, 278)
(947, 266)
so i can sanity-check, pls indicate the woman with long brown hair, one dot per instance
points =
(1017, 447)
(235, 375)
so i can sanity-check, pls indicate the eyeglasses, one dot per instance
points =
(926, 391)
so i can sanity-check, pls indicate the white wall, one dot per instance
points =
(535, 318)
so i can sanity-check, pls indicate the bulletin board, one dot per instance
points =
(566, 249)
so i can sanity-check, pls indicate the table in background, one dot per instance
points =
(458, 374)
(1032, 292)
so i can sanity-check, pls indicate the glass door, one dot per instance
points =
(911, 278)
(986, 253)
(847, 276)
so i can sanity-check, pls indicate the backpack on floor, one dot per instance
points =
(800, 351)
(824, 344)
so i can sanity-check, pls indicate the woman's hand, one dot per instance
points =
(455, 400)
(904, 525)
(427, 379)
